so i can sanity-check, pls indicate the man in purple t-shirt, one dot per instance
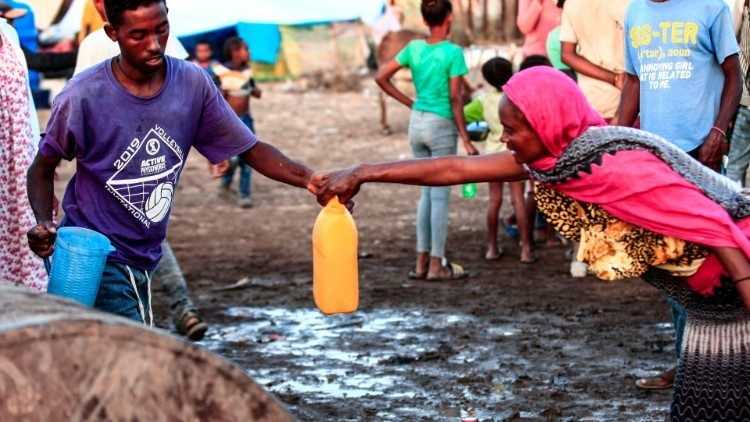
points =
(130, 122)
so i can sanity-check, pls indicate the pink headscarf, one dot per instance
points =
(554, 106)
(635, 186)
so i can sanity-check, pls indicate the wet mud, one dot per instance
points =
(513, 342)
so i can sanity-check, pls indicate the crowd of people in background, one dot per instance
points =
(670, 68)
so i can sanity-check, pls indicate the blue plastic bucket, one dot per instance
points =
(78, 263)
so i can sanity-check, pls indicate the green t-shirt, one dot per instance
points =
(432, 67)
(554, 50)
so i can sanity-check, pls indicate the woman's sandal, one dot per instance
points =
(413, 275)
(663, 381)
(457, 272)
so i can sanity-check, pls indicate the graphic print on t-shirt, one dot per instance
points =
(665, 52)
(147, 172)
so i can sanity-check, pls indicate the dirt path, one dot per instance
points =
(514, 342)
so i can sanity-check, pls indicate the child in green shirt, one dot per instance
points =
(437, 120)
(486, 108)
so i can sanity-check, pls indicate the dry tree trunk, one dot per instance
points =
(470, 16)
(486, 18)
(509, 29)
(462, 33)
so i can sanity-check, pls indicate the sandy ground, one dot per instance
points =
(513, 342)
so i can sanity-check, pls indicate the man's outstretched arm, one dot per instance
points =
(272, 163)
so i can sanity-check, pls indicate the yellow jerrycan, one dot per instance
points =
(335, 267)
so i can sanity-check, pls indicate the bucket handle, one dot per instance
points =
(48, 261)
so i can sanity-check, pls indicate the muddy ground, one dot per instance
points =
(513, 342)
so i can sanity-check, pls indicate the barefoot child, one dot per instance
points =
(437, 119)
(496, 72)
(238, 85)
(130, 122)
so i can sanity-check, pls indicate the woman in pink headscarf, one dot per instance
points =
(639, 207)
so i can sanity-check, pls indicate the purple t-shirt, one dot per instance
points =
(130, 151)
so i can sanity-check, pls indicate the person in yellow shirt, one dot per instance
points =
(497, 72)
(591, 33)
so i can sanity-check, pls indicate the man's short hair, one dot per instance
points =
(116, 8)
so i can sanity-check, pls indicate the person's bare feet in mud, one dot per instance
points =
(527, 255)
(493, 252)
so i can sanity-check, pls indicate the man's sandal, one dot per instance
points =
(191, 325)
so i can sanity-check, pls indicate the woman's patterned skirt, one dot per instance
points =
(713, 375)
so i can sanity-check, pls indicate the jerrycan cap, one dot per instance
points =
(334, 204)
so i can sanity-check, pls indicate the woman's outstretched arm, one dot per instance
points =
(444, 171)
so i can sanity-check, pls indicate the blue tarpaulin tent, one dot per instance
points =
(258, 21)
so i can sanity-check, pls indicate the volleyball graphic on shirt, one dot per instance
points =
(158, 203)
(146, 176)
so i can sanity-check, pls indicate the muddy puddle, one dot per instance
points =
(401, 364)
(513, 342)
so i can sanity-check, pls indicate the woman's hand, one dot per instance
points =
(343, 183)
